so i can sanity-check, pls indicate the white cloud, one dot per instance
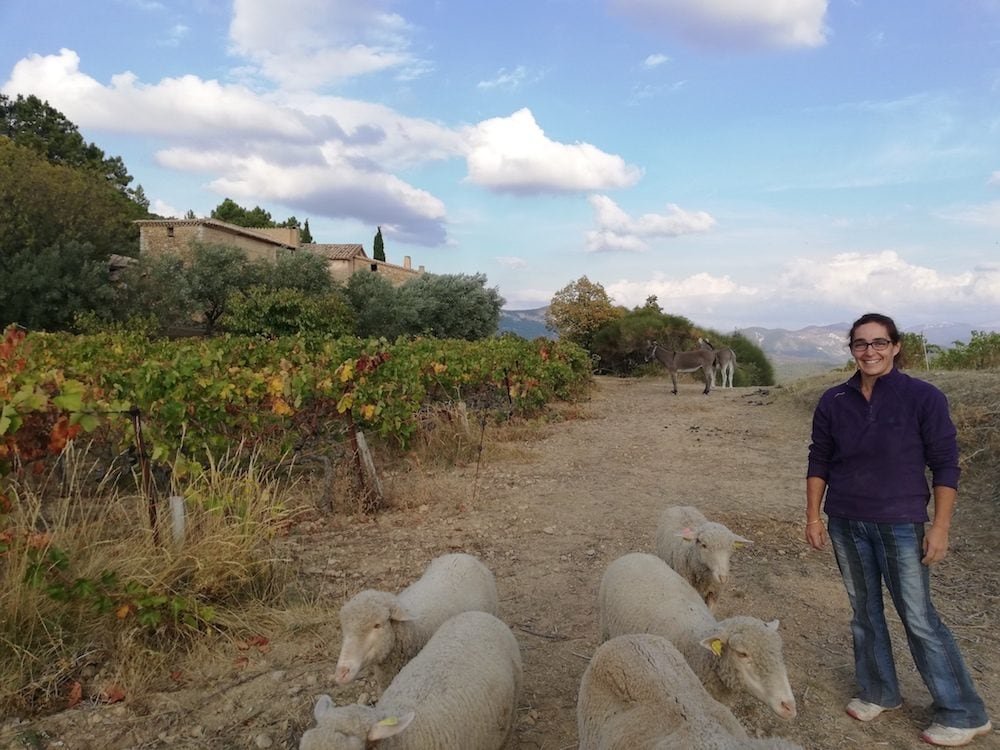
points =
(513, 154)
(505, 79)
(824, 290)
(175, 35)
(340, 39)
(512, 262)
(732, 23)
(329, 156)
(994, 179)
(984, 214)
(160, 208)
(617, 231)
(655, 60)
(178, 107)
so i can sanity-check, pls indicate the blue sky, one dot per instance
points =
(750, 162)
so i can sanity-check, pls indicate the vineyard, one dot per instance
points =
(96, 430)
(193, 399)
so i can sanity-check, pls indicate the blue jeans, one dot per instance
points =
(868, 553)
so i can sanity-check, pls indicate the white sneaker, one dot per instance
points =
(936, 734)
(865, 711)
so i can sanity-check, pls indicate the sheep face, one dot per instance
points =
(350, 727)
(752, 654)
(714, 544)
(367, 625)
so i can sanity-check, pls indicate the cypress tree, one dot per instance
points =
(378, 251)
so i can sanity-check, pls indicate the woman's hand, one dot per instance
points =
(935, 545)
(816, 534)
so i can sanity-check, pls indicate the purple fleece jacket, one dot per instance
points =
(873, 454)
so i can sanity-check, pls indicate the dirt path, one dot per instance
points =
(548, 516)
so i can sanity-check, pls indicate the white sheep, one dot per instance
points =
(697, 548)
(638, 692)
(383, 631)
(460, 691)
(642, 594)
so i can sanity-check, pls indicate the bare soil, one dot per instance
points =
(547, 515)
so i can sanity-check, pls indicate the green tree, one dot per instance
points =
(302, 270)
(620, 345)
(306, 236)
(579, 310)
(62, 280)
(44, 206)
(214, 274)
(378, 248)
(34, 124)
(232, 213)
(378, 307)
(913, 351)
(981, 353)
(454, 306)
(155, 286)
(283, 312)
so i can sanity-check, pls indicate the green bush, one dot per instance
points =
(286, 312)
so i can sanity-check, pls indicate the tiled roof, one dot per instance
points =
(336, 252)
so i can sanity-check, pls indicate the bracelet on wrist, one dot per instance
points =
(810, 523)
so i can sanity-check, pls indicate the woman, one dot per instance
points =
(872, 438)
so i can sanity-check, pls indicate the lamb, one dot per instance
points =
(460, 691)
(639, 693)
(383, 631)
(642, 594)
(697, 548)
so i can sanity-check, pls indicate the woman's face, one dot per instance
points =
(871, 361)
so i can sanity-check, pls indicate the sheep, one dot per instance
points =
(697, 548)
(640, 593)
(638, 693)
(460, 691)
(383, 631)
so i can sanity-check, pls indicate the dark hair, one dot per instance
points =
(884, 320)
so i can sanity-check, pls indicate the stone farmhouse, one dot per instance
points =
(176, 236)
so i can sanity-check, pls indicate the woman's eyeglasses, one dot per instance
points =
(859, 346)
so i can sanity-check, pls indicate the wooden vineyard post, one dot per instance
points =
(148, 489)
(371, 485)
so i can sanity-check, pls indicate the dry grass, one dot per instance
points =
(91, 601)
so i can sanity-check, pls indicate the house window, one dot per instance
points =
(170, 231)
(374, 267)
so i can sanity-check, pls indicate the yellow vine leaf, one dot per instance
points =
(281, 407)
(345, 403)
(276, 385)
(368, 411)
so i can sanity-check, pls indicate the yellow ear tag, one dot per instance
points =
(737, 545)
(717, 647)
(389, 721)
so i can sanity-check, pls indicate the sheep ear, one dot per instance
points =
(389, 726)
(324, 705)
(714, 643)
(773, 625)
(399, 613)
(687, 534)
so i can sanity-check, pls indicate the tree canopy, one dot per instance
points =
(579, 310)
(33, 124)
(231, 212)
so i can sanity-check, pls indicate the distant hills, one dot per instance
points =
(793, 353)
(527, 323)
